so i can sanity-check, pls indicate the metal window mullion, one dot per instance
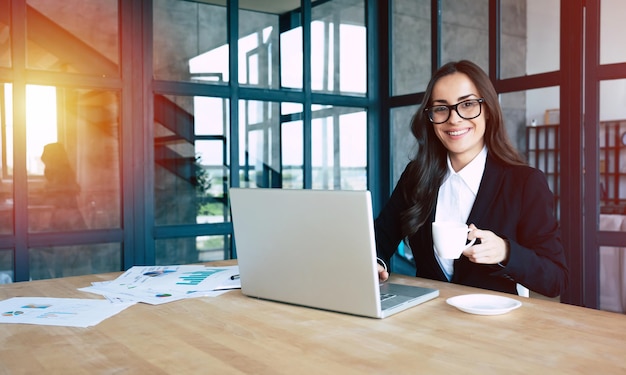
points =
(20, 175)
(306, 89)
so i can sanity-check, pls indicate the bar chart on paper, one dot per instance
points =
(195, 277)
(161, 284)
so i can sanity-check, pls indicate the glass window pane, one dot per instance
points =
(64, 261)
(338, 47)
(291, 58)
(292, 154)
(6, 266)
(411, 48)
(532, 122)
(544, 25)
(612, 267)
(611, 23)
(6, 159)
(258, 49)
(403, 145)
(529, 40)
(612, 146)
(188, 250)
(79, 37)
(339, 148)
(190, 41)
(73, 159)
(464, 31)
(259, 143)
(5, 34)
(191, 158)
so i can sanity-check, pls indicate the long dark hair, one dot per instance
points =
(427, 169)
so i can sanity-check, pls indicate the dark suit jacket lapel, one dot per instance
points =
(489, 186)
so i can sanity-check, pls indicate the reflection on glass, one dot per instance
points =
(6, 159)
(73, 159)
(190, 41)
(258, 49)
(612, 146)
(61, 190)
(64, 261)
(188, 250)
(338, 47)
(5, 34)
(411, 60)
(339, 148)
(611, 26)
(464, 31)
(6, 266)
(191, 157)
(80, 37)
(403, 142)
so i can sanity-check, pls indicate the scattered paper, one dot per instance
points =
(162, 284)
(70, 312)
(148, 284)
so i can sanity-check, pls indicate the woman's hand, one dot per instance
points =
(383, 275)
(491, 250)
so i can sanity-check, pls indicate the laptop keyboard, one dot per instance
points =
(386, 296)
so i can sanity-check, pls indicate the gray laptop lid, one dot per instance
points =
(313, 248)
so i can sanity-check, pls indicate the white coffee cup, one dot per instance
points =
(450, 238)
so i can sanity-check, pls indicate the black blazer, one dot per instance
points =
(516, 204)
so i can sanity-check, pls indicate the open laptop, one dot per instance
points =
(314, 248)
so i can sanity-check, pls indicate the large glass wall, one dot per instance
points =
(198, 155)
(60, 139)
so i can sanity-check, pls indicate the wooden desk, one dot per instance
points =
(235, 334)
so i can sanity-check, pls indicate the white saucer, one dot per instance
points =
(484, 304)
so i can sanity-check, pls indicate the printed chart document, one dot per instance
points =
(69, 312)
(161, 284)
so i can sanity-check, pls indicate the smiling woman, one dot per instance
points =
(466, 170)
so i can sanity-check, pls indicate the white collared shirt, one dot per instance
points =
(456, 198)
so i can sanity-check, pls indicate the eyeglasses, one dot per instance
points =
(467, 109)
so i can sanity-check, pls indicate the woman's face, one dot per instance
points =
(462, 138)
